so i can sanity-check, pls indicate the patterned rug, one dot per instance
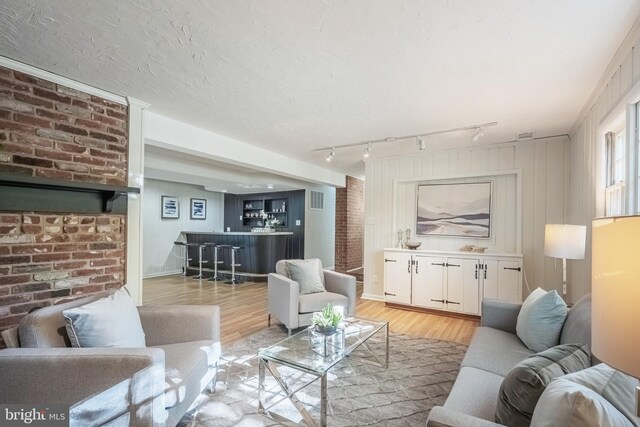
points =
(360, 393)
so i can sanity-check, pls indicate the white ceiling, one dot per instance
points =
(294, 75)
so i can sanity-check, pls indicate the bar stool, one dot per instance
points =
(185, 257)
(234, 251)
(201, 248)
(215, 247)
(189, 245)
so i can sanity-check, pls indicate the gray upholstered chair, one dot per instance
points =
(295, 310)
(149, 386)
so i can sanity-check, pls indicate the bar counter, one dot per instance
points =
(258, 257)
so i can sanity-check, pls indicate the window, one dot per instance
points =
(616, 170)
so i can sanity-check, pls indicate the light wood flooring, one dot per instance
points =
(243, 309)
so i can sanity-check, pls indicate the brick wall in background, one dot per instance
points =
(349, 239)
(52, 131)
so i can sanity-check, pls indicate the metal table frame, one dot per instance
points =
(269, 364)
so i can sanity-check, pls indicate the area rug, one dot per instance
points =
(420, 375)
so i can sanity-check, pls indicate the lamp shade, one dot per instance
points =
(615, 328)
(564, 241)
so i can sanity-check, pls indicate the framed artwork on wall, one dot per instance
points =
(456, 210)
(170, 207)
(198, 209)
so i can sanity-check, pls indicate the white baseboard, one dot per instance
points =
(164, 273)
(373, 297)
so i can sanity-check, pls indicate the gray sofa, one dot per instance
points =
(493, 351)
(152, 386)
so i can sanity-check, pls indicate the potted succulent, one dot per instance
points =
(326, 321)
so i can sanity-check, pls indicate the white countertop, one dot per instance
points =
(454, 253)
(240, 233)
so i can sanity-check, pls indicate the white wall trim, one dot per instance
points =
(372, 297)
(55, 78)
(505, 172)
(164, 273)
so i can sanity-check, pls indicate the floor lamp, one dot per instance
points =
(564, 241)
(615, 293)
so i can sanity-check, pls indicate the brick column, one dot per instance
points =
(52, 131)
(349, 245)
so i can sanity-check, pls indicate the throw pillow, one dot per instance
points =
(307, 273)
(540, 320)
(108, 322)
(566, 403)
(616, 387)
(523, 385)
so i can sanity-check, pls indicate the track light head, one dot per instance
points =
(331, 155)
(421, 142)
(367, 151)
(478, 135)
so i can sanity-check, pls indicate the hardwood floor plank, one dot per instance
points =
(243, 309)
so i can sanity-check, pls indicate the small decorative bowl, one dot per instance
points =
(413, 245)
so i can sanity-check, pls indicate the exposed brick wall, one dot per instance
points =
(52, 131)
(349, 245)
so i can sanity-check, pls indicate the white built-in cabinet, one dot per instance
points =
(451, 281)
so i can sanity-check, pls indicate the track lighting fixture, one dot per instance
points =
(331, 155)
(419, 138)
(478, 135)
(421, 143)
(367, 151)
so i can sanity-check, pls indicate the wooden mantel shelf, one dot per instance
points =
(21, 193)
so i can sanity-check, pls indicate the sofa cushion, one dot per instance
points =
(577, 326)
(541, 319)
(189, 367)
(310, 303)
(523, 385)
(566, 403)
(495, 351)
(46, 327)
(308, 274)
(112, 321)
(283, 270)
(475, 393)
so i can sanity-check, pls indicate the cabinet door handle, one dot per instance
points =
(438, 300)
(442, 264)
(512, 268)
(476, 271)
(387, 293)
(451, 302)
(389, 260)
(486, 267)
(453, 265)
(416, 266)
(409, 266)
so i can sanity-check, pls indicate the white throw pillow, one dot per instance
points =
(112, 321)
(307, 273)
(541, 319)
(565, 403)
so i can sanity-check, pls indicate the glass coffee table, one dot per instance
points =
(312, 353)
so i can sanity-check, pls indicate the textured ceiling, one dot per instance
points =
(293, 75)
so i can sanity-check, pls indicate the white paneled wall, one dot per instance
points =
(541, 164)
(606, 109)
(159, 255)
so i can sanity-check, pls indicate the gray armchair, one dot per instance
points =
(151, 386)
(295, 310)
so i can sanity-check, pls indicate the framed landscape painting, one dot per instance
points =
(170, 207)
(198, 209)
(457, 210)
